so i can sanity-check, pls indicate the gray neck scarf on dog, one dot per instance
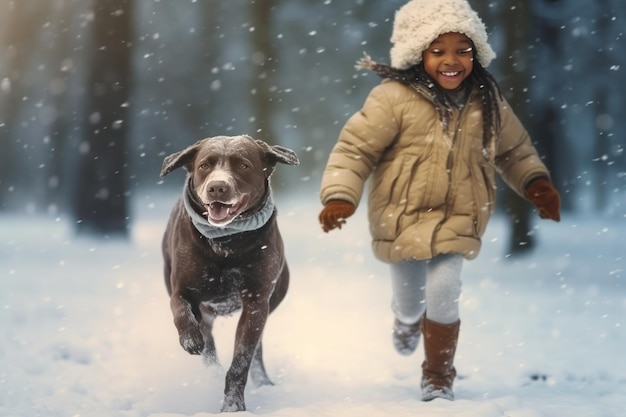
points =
(238, 225)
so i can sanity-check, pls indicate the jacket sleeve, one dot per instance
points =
(516, 158)
(362, 141)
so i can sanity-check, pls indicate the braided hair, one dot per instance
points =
(417, 78)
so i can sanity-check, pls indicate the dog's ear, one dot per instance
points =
(285, 155)
(179, 159)
(280, 154)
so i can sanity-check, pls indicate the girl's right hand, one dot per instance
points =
(335, 213)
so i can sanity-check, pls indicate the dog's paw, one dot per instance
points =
(209, 357)
(192, 343)
(233, 403)
(258, 375)
(260, 380)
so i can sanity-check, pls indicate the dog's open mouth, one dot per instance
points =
(221, 213)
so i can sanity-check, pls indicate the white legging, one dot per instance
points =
(432, 286)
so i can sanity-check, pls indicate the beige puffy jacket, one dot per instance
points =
(430, 193)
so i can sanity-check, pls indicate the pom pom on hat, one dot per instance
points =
(419, 22)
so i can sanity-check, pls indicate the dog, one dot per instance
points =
(223, 251)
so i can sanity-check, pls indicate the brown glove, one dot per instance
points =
(545, 197)
(335, 213)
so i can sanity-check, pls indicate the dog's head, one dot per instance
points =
(229, 175)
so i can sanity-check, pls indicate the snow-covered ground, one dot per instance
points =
(87, 329)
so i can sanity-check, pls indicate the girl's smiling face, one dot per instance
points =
(449, 60)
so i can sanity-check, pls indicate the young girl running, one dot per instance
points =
(430, 138)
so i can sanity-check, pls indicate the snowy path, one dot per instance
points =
(87, 328)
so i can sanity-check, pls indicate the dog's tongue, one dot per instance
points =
(218, 211)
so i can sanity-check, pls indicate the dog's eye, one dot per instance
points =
(203, 166)
(243, 166)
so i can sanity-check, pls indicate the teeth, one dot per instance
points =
(450, 73)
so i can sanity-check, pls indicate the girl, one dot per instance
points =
(431, 136)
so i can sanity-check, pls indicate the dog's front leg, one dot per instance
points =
(249, 331)
(209, 354)
(187, 325)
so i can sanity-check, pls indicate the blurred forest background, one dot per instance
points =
(95, 93)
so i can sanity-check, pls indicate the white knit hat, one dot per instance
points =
(419, 22)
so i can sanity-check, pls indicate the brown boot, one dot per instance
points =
(438, 371)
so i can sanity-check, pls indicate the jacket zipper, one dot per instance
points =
(449, 165)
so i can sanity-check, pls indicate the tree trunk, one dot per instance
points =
(516, 66)
(101, 196)
(264, 64)
(20, 37)
(264, 60)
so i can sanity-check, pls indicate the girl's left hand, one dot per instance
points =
(335, 213)
(542, 194)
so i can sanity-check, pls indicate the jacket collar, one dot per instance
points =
(240, 224)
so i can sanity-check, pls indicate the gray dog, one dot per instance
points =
(223, 251)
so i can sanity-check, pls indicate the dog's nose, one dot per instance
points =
(218, 189)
